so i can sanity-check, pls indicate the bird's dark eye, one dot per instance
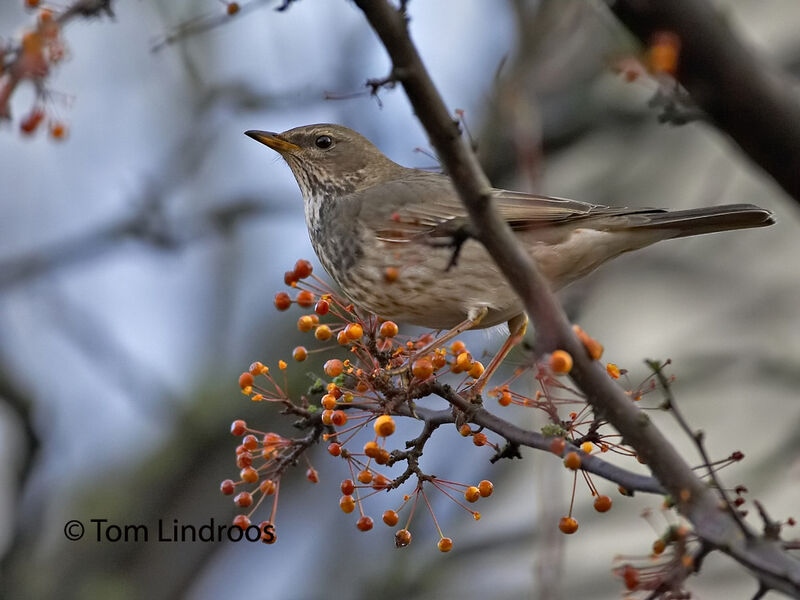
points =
(324, 141)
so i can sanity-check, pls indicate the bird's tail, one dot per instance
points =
(697, 221)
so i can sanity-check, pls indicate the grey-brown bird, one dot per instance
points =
(381, 231)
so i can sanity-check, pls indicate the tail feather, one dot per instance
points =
(697, 221)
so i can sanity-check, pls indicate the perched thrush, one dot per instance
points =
(384, 232)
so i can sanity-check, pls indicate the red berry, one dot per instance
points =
(238, 427)
(302, 269)
(243, 499)
(364, 523)
(282, 301)
(227, 487)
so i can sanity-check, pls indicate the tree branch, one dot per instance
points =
(766, 559)
(744, 96)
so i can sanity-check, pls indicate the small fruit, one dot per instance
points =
(568, 525)
(445, 544)
(384, 425)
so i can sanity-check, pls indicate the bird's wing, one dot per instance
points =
(425, 205)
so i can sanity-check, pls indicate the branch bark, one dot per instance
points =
(765, 559)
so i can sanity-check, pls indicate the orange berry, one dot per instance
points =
(305, 298)
(328, 402)
(371, 449)
(323, 333)
(243, 499)
(479, 439)
(364, 523)
(267, 532)
(334, 449)
(382, 457)
(464, 430)
(241, 521)
(602, 504)
(305, 323)
(282, 301)
(389, 329)
(572, 461)
(248, 475)
(250, 442)
(338, 418)
(486, 488)
(438, 361)
(587, 447)
(238, 427)
(402, 538)
(560, 362)
(267, 487)
(391, 274)
(326, 417)
(347, 486)
(244, 459)
(391, 518)
(31, 3)
(445, 544)
(282, 365)
(302, 269)
(289, 278)
(342, 338)
(613, 370)
(476, 370)
(593, 347)
(354, 331)
(457, 347)
(422, 368)
(58, 130)
(312, 475)
(464, 361)
(232, 8)
(347, 504)
(505, 398)
(365, 476)
(384, 425)
(299, 354)
(257, 368)
(472, 493)
(245, 380)
(568, 525)
(664, 52)
(334, 367)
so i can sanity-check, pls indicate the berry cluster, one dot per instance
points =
(31, 58)
(378, 375)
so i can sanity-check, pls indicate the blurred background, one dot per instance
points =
(139, 257)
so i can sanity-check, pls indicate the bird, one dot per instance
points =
(385, 233)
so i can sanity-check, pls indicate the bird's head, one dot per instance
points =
(329, 158)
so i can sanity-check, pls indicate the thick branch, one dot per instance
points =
(695, 500)
(744, 96)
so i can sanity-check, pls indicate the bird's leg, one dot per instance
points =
(516, 331)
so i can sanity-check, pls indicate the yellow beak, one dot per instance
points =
(273, 140)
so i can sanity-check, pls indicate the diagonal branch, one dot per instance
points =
(766, 559)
